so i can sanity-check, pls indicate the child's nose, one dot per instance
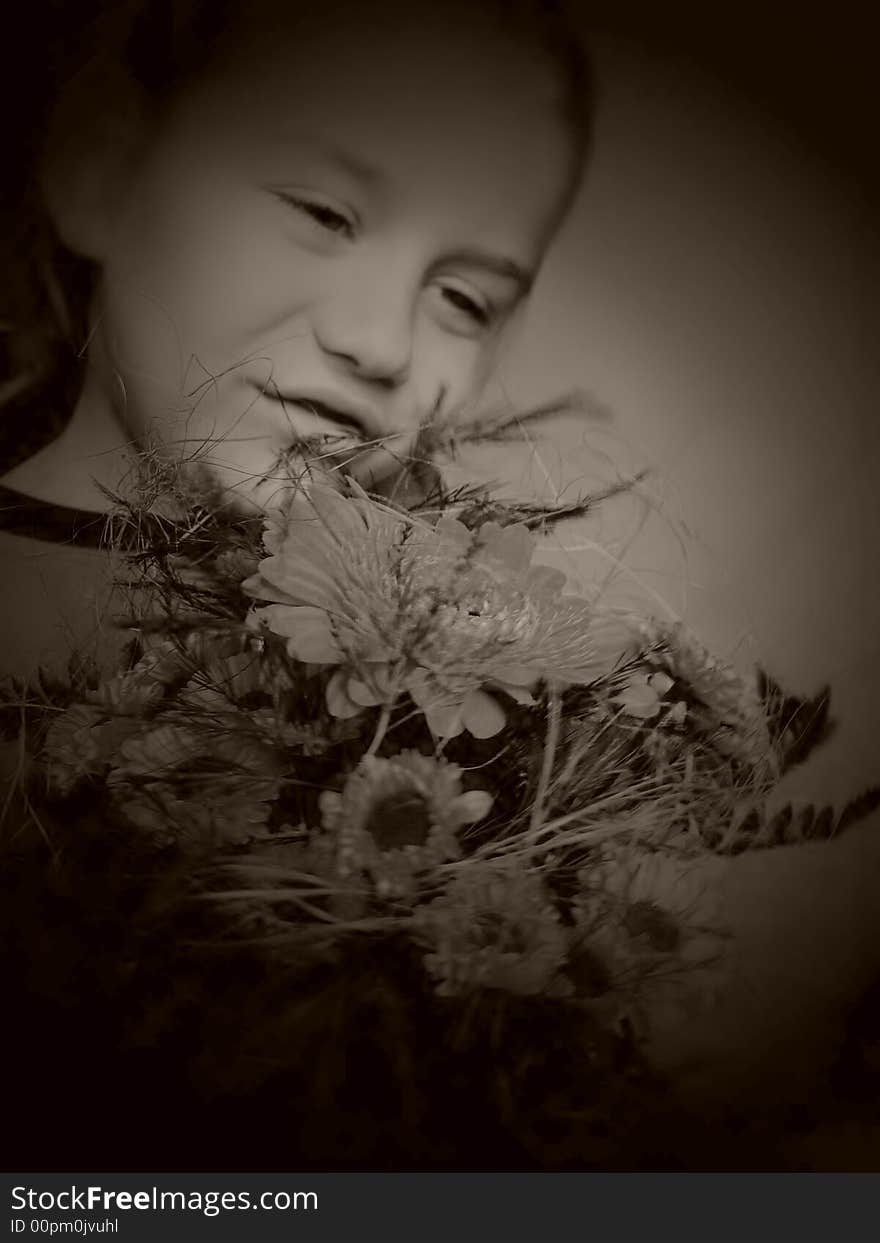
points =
(369, 327)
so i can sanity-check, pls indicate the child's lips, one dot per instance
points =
(313, 414)
(350, 433)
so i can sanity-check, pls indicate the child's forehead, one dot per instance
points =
(398, 52)
(427, 106)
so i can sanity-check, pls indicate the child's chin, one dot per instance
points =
(225, 488)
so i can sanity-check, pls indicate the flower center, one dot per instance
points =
(399, 820)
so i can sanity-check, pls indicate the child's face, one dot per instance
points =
(328, 236)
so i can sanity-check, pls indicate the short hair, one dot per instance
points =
(163, 45)
(171, 40)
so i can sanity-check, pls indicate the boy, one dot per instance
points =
(308, 231)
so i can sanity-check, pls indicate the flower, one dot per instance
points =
(177, 782)
(115, 721)
(223, 682)
(452, 616)
(229, 815)
(650, 924)
(82, 742)
(724, 704)
(642, 696)
(494, 927)
(298, 862)
(397, 817)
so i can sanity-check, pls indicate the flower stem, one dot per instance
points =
(554, 716)
(381, 729)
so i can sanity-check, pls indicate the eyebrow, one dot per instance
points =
(500, 265)
(352, 164)
(369, 174)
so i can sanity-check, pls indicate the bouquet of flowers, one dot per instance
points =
(384, 833)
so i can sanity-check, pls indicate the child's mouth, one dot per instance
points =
(345, 436)
(339, 423)
(312, 418)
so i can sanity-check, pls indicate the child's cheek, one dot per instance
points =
(200, 239)
(451, 369)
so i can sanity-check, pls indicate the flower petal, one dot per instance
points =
(331, 508)
(444, 719)
(421, 689)
(639, 699)
(261, 589)
(307, 630)
(275, 529)
(482, 715)
(545, 580)
(337, 699)
(515, 675)
(511, 545)
(304, 576)
(471, 806)
(364, 693)
(452, 532)
(660, 682)
(676, 714)
(517, 693)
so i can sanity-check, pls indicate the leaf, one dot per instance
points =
(859, 807)
(797, 726)
(791, 825)
(161, 749)
(222, 683)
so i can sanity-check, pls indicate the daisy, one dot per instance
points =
(395, 818)
(652, 924)
(453, 617)
(723, 703)
(494, 927)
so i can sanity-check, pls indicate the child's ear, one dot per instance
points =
(94, 137)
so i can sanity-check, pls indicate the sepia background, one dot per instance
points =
(715, 298)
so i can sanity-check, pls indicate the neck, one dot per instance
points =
(89, 456)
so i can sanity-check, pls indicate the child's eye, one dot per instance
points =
(480, 313)
(326, 217)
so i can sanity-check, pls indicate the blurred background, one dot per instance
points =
(716, 297)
